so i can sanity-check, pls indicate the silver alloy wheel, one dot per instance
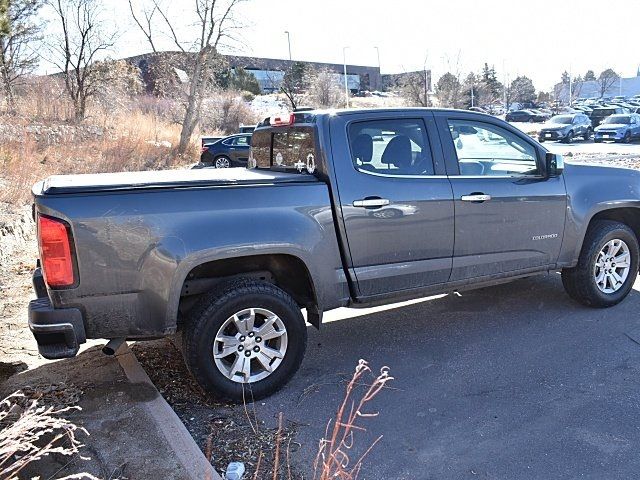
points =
(612, 266)
(222, 162)
(250, 345)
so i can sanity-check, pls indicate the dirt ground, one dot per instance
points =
(18, 254)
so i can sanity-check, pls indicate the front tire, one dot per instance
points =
(607, 267)
(245, 341)
(569, 137)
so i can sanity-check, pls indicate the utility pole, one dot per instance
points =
(379, 68)
(426, 87)
(570, 86)
(346, 86)
(504, 86)
(472, 105)
(620, 85)
(289, 43)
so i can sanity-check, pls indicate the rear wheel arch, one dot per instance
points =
(289, 272)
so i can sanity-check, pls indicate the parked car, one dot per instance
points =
(583, 108)
(232, 151)
(600, 113)
(619, 128)
(566, 128)
(229, 258)
(545, 115)
(209, 140)
(525, 116)
(246, 128)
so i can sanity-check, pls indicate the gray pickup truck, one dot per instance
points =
(345, 208)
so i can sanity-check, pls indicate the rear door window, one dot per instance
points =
(242, 141)
(393, 147)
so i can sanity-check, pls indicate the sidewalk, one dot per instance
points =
(134, 434)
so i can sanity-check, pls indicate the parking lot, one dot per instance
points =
(513, 381)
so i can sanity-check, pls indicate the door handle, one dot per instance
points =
(371, 202)
(475, 197)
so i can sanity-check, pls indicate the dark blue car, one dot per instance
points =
(232, 151)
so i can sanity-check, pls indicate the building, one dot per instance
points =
(627, 87)
(268, 71)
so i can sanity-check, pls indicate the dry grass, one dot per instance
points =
(30, 431)
(335, 459)
(38, 138)
(125, 142)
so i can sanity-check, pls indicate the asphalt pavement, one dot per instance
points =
(515, 381)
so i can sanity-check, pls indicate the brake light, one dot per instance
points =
(283, 120)
(55, 252)
(204, 149)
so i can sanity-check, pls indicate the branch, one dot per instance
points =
(173, 32)
(148, 17)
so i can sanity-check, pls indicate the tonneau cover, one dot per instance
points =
(103, 182)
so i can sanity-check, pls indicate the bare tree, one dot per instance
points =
(215, 22)
(75, 49)
(606, 80)
(324, 87)
(415, 86)
(19, 31)
(294, 83)
(449, 90)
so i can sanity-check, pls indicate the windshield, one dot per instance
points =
(562, 119)
(625, 119)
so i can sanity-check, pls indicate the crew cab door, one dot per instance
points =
(395, 200)
(509, 218)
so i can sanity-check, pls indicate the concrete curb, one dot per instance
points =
(167, 422)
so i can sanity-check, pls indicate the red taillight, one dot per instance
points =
(283, 120)
(204, 149)
(55, 252)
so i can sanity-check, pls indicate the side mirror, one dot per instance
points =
(554, 164)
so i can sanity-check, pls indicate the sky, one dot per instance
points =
(536, 38)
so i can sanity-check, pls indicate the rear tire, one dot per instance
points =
(222, 162)
(581, 281)
(211, 333)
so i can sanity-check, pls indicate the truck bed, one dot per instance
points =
(205, 177)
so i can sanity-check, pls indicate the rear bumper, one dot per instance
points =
(58, 331)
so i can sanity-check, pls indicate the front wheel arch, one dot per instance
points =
(587, 282)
